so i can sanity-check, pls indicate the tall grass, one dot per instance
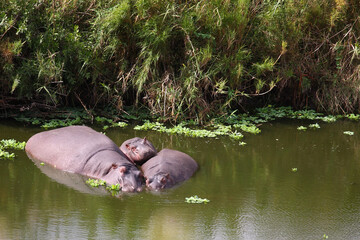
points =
(182, 59)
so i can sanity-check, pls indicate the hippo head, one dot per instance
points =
(138, 150)
(130, 178)
(159, 181)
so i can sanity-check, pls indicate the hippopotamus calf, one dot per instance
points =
(82, 150)
(168, 168)
(138, 150)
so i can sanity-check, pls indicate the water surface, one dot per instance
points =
(253, 191)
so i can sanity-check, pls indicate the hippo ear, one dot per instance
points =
(144, 140)
(122, 169)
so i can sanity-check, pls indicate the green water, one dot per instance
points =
(253, 191)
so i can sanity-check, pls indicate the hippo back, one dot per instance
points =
(178, 165)
(68, 148)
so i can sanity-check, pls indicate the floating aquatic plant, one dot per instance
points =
(306, 114)
(61, 123)
(13, 144)
(10, 144)
(329, 118)
(353, 116)
(349, 133)
(250, 128)
(294, 169)
(6, 155)
(236, 135)
(95, 182)
(301, 128)
(103, 120)
(113, 188)
(196, 199)
(315, 125)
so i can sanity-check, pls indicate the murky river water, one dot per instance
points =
(253, 191)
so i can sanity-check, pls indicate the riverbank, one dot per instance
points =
(234, 125)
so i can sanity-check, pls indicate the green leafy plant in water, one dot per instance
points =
(294, 169)
(103, 120)
(353, 116)
(221, 129)
(95, 182)
(271, 113)
(329, 118)
(6, 155)
(196, 199)
(10, 144)
(156, 126)
(250, 128)
(113, 187)
(236, 135)
(61, 123)
(301, 128)
(306, 114)
(315, 125)
(13, 144)
(349, 133)
(116, 124)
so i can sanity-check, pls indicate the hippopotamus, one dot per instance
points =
(82, 150)
(168, 168)
(138, 150)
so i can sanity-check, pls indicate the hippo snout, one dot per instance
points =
(132, 189)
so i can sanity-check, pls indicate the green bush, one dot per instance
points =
(182, 59)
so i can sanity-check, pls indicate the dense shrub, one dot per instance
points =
(182, 58)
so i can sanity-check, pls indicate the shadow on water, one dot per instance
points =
(253, 191)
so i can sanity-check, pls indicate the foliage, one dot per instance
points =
(301, 128)
(113, 189)
(329, 118)
(61, 123)
(95, 182)
(10, 144)
(248, 128)
(181, 59)
(353, 116)
(13, 144)
(314, 125)
(196, 199)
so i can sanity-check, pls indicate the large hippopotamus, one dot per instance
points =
(168, 168)
(138, 150)
(82, 150)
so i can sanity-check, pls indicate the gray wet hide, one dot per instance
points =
(168, 168)
(82, 150)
